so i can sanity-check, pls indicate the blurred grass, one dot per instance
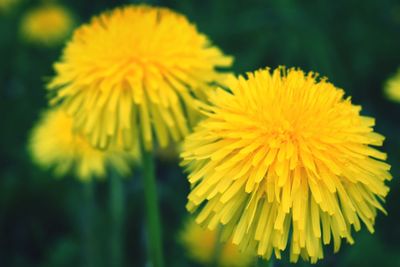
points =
(353, 43)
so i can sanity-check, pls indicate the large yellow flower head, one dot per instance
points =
(135, 73)
(392, 87)
(284, 158)
(47, 25)
(55, 144)
(201, 245)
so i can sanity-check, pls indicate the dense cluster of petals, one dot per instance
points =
(284, 160)
(134, 74)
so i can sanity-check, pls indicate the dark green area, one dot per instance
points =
(43, 220)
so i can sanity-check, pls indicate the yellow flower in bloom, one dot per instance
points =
(47, 25)
(285, 158)
(201, 244)
(54, 143)
(136, 72)
(392, 88)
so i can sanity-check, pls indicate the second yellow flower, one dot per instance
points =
(134, 74)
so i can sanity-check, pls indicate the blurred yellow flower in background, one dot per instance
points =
(54, 144)
(135, 73)
(200, 244)
(47, 25)
(7, 5)
(284, 157)
(392, 87)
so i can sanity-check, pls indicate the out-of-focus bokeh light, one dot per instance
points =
(47, 25)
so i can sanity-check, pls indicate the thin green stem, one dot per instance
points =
(271, 262)
(218, 246)
(116, 220)
(153, 214)
(88, 224)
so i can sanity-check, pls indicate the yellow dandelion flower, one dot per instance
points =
(392, 87)
(136, 72)
(285, 158)
(47, 25)
(200, 244)
(53, 143)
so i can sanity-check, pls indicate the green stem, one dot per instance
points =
(271, 262)
(117, 220)
(89, 227)
(217, 247)
(153, 215)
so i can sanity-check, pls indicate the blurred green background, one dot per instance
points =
(354, 43)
